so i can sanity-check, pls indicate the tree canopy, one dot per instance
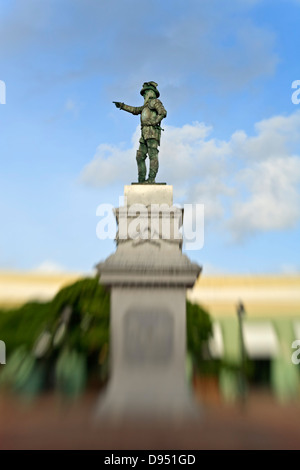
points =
(73, 330)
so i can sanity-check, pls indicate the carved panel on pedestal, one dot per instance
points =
(148, 337)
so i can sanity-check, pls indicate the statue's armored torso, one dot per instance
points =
(151, 115)
(147, 115)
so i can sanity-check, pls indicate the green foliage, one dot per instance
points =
(87, 298)
(68, 338)
(199, 328)
(21, 326)
(70, 372)
(22, 373)
(89, 324)
(199, 331)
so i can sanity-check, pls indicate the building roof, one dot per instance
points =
(262, 296)
(17, 288)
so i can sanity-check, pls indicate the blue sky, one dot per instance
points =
(231, 139)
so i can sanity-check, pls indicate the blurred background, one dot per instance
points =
(231, 142)
(240, 332)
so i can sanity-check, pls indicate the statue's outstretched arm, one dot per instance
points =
(130, 109)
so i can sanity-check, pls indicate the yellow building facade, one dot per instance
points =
(270, 326)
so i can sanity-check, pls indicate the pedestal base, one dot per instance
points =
(148, 280)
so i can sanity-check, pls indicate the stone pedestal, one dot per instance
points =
(148, 276)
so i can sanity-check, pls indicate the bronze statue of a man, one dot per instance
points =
(152, 113)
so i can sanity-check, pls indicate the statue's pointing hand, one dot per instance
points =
(118, 104)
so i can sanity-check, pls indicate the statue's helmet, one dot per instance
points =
(150, 86)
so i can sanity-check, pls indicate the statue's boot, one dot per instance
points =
(140, 158)
(153, 156)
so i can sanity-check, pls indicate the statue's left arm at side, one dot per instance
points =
(160, 110)
(130, 109)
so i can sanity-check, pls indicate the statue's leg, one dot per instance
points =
(152, 145)
(141, 156)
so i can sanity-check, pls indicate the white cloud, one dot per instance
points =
(72, 107)
(290, 270)
(210, 269)
(210, 192)
(273, 202)
(185, 157)
(269, 181)
(248, 184)
(111, 164)
(276, 137)
(49, 267)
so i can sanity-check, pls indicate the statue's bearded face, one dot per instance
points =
(149, 94)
